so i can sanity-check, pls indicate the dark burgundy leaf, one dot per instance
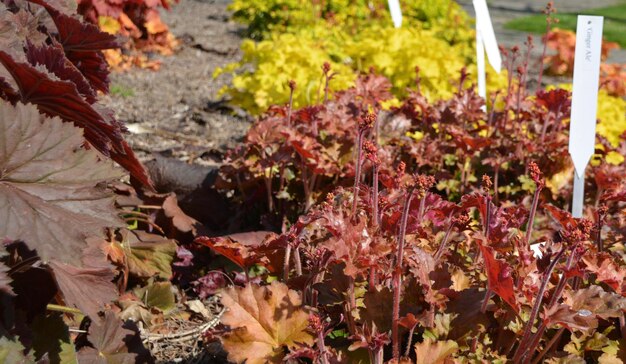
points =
(53, 58)
(499, 277)
(61, 98)
(82, 43)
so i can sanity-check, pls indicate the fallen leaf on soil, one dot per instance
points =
(263, 320)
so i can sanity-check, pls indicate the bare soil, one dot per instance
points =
(175, 111)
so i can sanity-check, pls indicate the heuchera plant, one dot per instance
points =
(426, 233)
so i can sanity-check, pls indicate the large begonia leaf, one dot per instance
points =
(113, 342)
(51, 193)
(263, 321)
(87, 289)
(61, 98)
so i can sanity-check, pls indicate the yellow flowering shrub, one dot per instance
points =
(353, 36)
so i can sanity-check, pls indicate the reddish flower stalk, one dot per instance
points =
(327, 77)
(397, 276)
(365, 124)
(524, 342)
(292, 87)
(537, 177)
(550, 9)
(420, 183)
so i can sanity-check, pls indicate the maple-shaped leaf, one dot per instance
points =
(148, 255)
(87, 289)
(263, 321)
(61, 98)
(51, 189)
(238, 253)
(429, 352)
(499, 277)
(595, 301)
(113, 342)
(564, 315)
(605, 270)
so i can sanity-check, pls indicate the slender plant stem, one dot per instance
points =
(297, 262)
(548, 346)
(531, 217)
(357, 172)
(286, 263)
(375, 221)
(523, 345)
(397, 276)
(444, 242)
(407, 351)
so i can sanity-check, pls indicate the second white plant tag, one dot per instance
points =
(582, 134)
(396, 12)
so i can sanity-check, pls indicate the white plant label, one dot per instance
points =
(396, 12)
(582, 134)
(485, 42)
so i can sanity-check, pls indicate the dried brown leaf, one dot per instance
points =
(429, 352)
(263, 321)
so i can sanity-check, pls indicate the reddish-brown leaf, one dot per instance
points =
(87, 289)
(113, 342)
(51, 193)
(499, 277)
(55, 61)
(83, 43)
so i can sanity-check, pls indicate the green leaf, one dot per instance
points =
(51, 336)
(158, 295)
(12, 352)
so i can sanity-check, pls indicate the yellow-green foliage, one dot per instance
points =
(612, 117)
(396, 52)
(277, 61)
(351, 35)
